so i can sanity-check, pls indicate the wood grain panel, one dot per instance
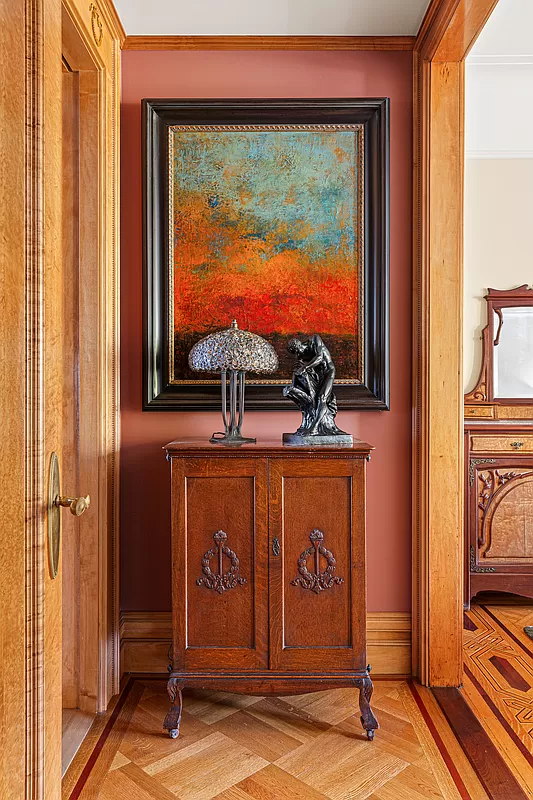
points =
(268, 43)
(300, 618)
(508, 524)
(70, 410)
(445, 376)
(311, 619)
(13, 554)
(227, 628)
(98, 60)
(485, 444)
(31, 341)
(45, 356)
(448, 31)
(224, 619)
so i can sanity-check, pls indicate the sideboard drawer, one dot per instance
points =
(513, 443)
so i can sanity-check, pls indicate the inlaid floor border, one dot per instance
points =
(122, 713)
(491, 769)
(498, 681)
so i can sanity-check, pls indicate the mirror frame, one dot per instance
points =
(497, 299)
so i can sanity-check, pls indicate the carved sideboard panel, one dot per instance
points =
(498, 510)
(505, 514)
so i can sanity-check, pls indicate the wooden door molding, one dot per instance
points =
(446, 36)
(31, 372)
(91, 41)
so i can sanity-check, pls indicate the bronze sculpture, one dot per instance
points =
(312, 391)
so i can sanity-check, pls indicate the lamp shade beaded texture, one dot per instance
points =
(233, 349)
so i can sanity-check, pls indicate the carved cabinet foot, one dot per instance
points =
(173, 718)
(368, 720)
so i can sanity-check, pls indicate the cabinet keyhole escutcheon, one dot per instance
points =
(221, 581)
(317, 581)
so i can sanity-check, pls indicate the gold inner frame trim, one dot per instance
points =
(356, 128)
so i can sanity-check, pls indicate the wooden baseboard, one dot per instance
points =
(145, 638)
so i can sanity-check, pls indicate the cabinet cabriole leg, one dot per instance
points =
(368, 720)
(173, 718)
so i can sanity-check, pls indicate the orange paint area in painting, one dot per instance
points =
(222, 272)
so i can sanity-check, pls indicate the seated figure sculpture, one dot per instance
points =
(312, 391)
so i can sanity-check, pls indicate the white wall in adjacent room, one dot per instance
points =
(498, 241)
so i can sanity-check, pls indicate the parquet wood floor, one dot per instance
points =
(308, 747)
(498, 682)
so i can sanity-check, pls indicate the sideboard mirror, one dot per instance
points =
(507, 368)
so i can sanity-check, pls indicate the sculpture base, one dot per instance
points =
(305, 440)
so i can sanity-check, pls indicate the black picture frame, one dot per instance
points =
(157, 115)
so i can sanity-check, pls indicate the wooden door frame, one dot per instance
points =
(97, 635)
(30, 226)
(447, 34)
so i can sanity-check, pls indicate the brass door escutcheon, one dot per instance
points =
(54, 516)
(77, 506)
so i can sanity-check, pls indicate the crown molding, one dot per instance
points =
(268, 43)
(436, 21)
(499, 60)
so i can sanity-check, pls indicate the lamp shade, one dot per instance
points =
(233, 349)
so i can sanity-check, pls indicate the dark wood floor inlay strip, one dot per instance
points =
(117, 711)
(468, 624)
(452, 769)
(499, 716)
(507, 631)
(509, 673)
(494, 774)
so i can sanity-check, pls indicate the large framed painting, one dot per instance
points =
(274, 213)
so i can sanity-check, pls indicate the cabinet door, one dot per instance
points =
(220, 546)
(317, 564)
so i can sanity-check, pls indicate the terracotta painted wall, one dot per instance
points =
(145, 509)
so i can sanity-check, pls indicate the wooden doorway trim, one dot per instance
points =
(449, 30)
(31, 376)
(94, 55)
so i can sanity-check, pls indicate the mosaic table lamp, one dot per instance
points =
(236, 352)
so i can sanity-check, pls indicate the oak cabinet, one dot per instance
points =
(268, 570)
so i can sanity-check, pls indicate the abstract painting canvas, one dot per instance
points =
(265, 223)
(267, 230)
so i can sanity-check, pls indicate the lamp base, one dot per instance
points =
(233, 440)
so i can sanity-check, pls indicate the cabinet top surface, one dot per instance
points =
(265, 447)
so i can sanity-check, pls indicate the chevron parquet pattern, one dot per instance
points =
(308, 747)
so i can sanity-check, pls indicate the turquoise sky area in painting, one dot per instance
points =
(293, 190)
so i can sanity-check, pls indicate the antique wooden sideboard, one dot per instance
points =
(499, 452)
(268, 570)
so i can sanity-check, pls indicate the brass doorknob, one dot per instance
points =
(77, 505)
